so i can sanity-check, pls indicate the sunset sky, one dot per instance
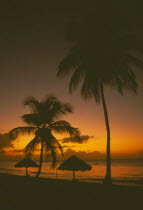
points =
(32, 44)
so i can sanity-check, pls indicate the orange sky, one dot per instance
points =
(29, 60)
(125, 122)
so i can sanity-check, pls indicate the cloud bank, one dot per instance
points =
(85, 155)
(5, 142)
(83, 139)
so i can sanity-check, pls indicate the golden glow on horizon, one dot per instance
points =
(119, 145)
(126, 135)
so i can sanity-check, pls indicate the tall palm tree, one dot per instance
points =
(43, 123)
(101, 54)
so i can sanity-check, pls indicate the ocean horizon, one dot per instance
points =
(124, 171)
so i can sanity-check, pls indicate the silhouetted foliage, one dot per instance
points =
(42, 122)
(103, 52)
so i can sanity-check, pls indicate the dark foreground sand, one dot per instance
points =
(18, 193)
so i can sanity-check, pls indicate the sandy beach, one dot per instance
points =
(18, 192)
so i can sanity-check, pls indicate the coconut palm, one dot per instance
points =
(43, 123)
(101, 54)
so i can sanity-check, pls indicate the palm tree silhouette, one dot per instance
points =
(101, 54)
(42, 122)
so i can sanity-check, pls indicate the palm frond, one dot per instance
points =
(63, 127)
(60, 123)
(33, 103)
(32, 119)
(76, 78)
(14, 133)
(59, 109)
(49, 100)
(52, 146)
(58, 146)
(51, 151)
(133, 59)
(101, 56)
(125, 79)
(70, 62)
(32, 145)
(52, 154)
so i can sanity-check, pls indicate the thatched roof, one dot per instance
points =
(74, 164)
(26, 162)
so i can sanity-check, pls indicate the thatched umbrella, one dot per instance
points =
(74, 164)
(26, 163)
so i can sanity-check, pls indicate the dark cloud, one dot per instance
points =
(83, 138)
(5, 141)
(17, 150)
(66, 146)
(2, 151)
(84, 155)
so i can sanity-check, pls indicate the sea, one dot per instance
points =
(125, 172)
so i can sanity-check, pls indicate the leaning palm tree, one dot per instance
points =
(43, 123)
(101, 54)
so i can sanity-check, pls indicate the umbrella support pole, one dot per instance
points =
(73, 175)
(27, 171)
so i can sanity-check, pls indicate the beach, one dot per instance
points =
(20, 192)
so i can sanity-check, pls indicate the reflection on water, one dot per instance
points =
(125, 171)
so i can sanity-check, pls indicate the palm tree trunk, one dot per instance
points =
(108, 156)
(41, 161)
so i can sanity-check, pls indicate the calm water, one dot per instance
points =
(123, 171)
